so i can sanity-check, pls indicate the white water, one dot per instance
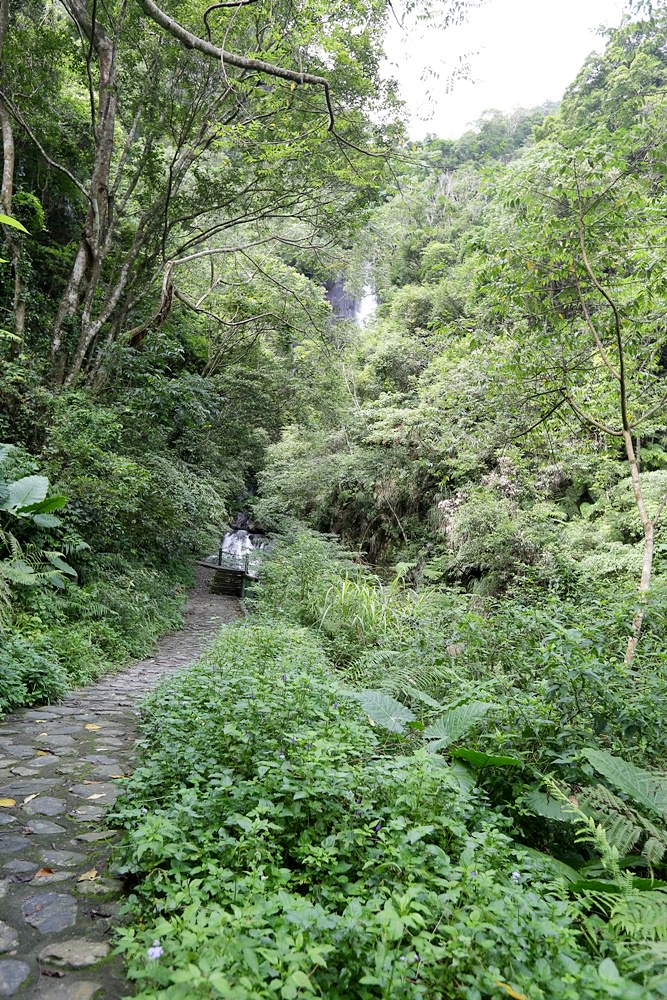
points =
(237, 543)
(366, 307)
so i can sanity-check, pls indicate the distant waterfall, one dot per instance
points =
(345, 305)
(366, 306)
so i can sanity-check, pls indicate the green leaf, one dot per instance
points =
(553, 864)
(463, 775)
(56, 559)
(46, 520)
(6, 220)
(546, 805)
(385, 711)
(25, 493)
(454, 724)
(607, 970)
(480, 759)
(46, 506)
(642, 786)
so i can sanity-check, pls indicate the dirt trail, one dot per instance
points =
(60, 765)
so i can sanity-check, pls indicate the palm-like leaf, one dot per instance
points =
(385, 711)
(455, 723)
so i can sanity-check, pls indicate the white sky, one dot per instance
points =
(521, 53)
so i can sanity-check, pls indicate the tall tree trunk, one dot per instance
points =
(7, 193)
(648, 526)
(84, 278)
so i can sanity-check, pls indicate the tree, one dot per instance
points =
(582, 273)
(185, 148)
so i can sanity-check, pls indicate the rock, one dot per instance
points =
(26, 786)
(96, 791)
(19, 866)
(12, 975)
(66, 989)
(9, 844)
(42, 759)
(62, 859)
(77, 953)
(100, 886)
(50, 912)
(16, 749)
(87, 814)
(48, 879)
(42, 826)
(44, 805)
(90, 838)
(6, 819)
(8, 937)
(56, 741)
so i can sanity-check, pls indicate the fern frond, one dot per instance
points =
(642, 916)
(620, 825)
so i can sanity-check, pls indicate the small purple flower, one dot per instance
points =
(335, 706)
(377, 827)
(516, 876)
(282, 756)
(157, 951)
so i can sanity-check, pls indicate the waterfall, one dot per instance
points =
(366, 306)
(345, 305)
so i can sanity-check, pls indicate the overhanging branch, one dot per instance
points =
(207, 48)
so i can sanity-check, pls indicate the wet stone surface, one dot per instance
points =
(60, 765)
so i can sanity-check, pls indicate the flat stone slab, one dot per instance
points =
(16, 750)
(8, 937)
(45, 805)
(10, 844)
(42, 826)
(87, 814)
(66, 989)
(12, 975)
(100, 887)
(26, 786)
(91, 838)
(62, 859)
(50, 912)
(50, 879)
(19, 866)
(77, 953)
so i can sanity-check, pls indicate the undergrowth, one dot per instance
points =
(280, 845)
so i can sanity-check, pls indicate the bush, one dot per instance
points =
(30, 674)
(281, 848)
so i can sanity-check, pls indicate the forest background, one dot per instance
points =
(467, 493)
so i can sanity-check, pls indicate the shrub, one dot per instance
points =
(280, 848)
(30, 674)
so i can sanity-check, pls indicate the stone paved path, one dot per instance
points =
(60, 765)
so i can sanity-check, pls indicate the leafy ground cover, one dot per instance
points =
(299, 828)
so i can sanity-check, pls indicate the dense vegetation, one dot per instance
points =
(432, 762)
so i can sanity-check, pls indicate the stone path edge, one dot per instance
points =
(60, 766)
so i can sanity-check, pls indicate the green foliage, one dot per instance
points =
(30, 674)
(277, 847)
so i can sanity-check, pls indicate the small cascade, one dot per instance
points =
(366, 306)
(237, 543)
